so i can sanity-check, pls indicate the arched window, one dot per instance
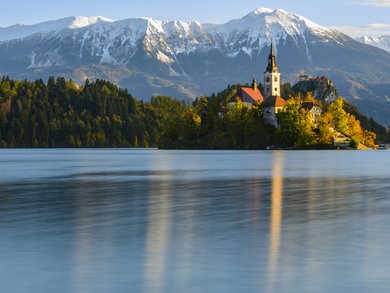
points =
(275, 79)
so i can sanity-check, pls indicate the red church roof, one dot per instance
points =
(255, 95)
(248, 95)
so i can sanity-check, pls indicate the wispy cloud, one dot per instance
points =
(374, 3)
(372, 29)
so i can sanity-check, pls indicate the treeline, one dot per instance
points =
(60, 113)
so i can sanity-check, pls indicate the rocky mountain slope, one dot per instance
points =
(322, 88)
(382, 42)
(187, 59)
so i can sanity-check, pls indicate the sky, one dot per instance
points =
(354, 17)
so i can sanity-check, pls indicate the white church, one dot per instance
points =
(272, 102)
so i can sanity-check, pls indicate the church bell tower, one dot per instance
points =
(272, 76)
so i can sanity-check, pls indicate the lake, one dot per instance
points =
(120, 220)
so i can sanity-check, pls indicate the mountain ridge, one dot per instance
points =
(189, 59)
(381, 42)
(20, 31)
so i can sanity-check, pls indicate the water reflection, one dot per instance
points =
(263, 222)
(157, 239)
(276, 218)
(185, 249)
(83, 242)
(158, 229)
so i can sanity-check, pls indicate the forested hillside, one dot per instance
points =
(61, 114)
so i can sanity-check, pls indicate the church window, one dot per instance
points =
(276, 89)
(275, 79)
(267, 79)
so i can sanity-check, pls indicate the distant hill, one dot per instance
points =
(189, 59)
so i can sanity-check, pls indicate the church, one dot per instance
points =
(272, 102)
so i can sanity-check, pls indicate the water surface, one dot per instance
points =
(194, 221)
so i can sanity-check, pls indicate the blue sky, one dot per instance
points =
(353, 16)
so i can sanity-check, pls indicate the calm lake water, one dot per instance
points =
(194, 221)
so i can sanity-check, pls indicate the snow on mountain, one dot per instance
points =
(117, 42)
(263, 25)
(272, 23)
(20, 31)
(98, 40)
(382, 42)
(177, 58)
(83, 21)
(102, 41)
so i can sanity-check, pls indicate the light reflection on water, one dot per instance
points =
(165, 221)
(275, 219)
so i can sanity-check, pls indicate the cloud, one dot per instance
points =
(375, 3)
(372, 29)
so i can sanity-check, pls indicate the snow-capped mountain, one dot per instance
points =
(382, 42)
(186, 59)
(20, 31)
(115, 43)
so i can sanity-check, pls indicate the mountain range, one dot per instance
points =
(382, 42)
(189, 59)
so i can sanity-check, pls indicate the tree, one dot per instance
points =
(325, 133)
(290, 122)
(369, 138)
(338, 116)
(306, 137)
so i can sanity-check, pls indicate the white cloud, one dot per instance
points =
(377, 26)
(375, 3)
(372, 29)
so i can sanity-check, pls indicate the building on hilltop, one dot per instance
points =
(315, 111)
(273, 102)
(248, 95)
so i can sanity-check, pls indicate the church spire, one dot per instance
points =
(272, 61)
(272, 76)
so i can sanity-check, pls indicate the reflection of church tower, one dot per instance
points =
(272, 76)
